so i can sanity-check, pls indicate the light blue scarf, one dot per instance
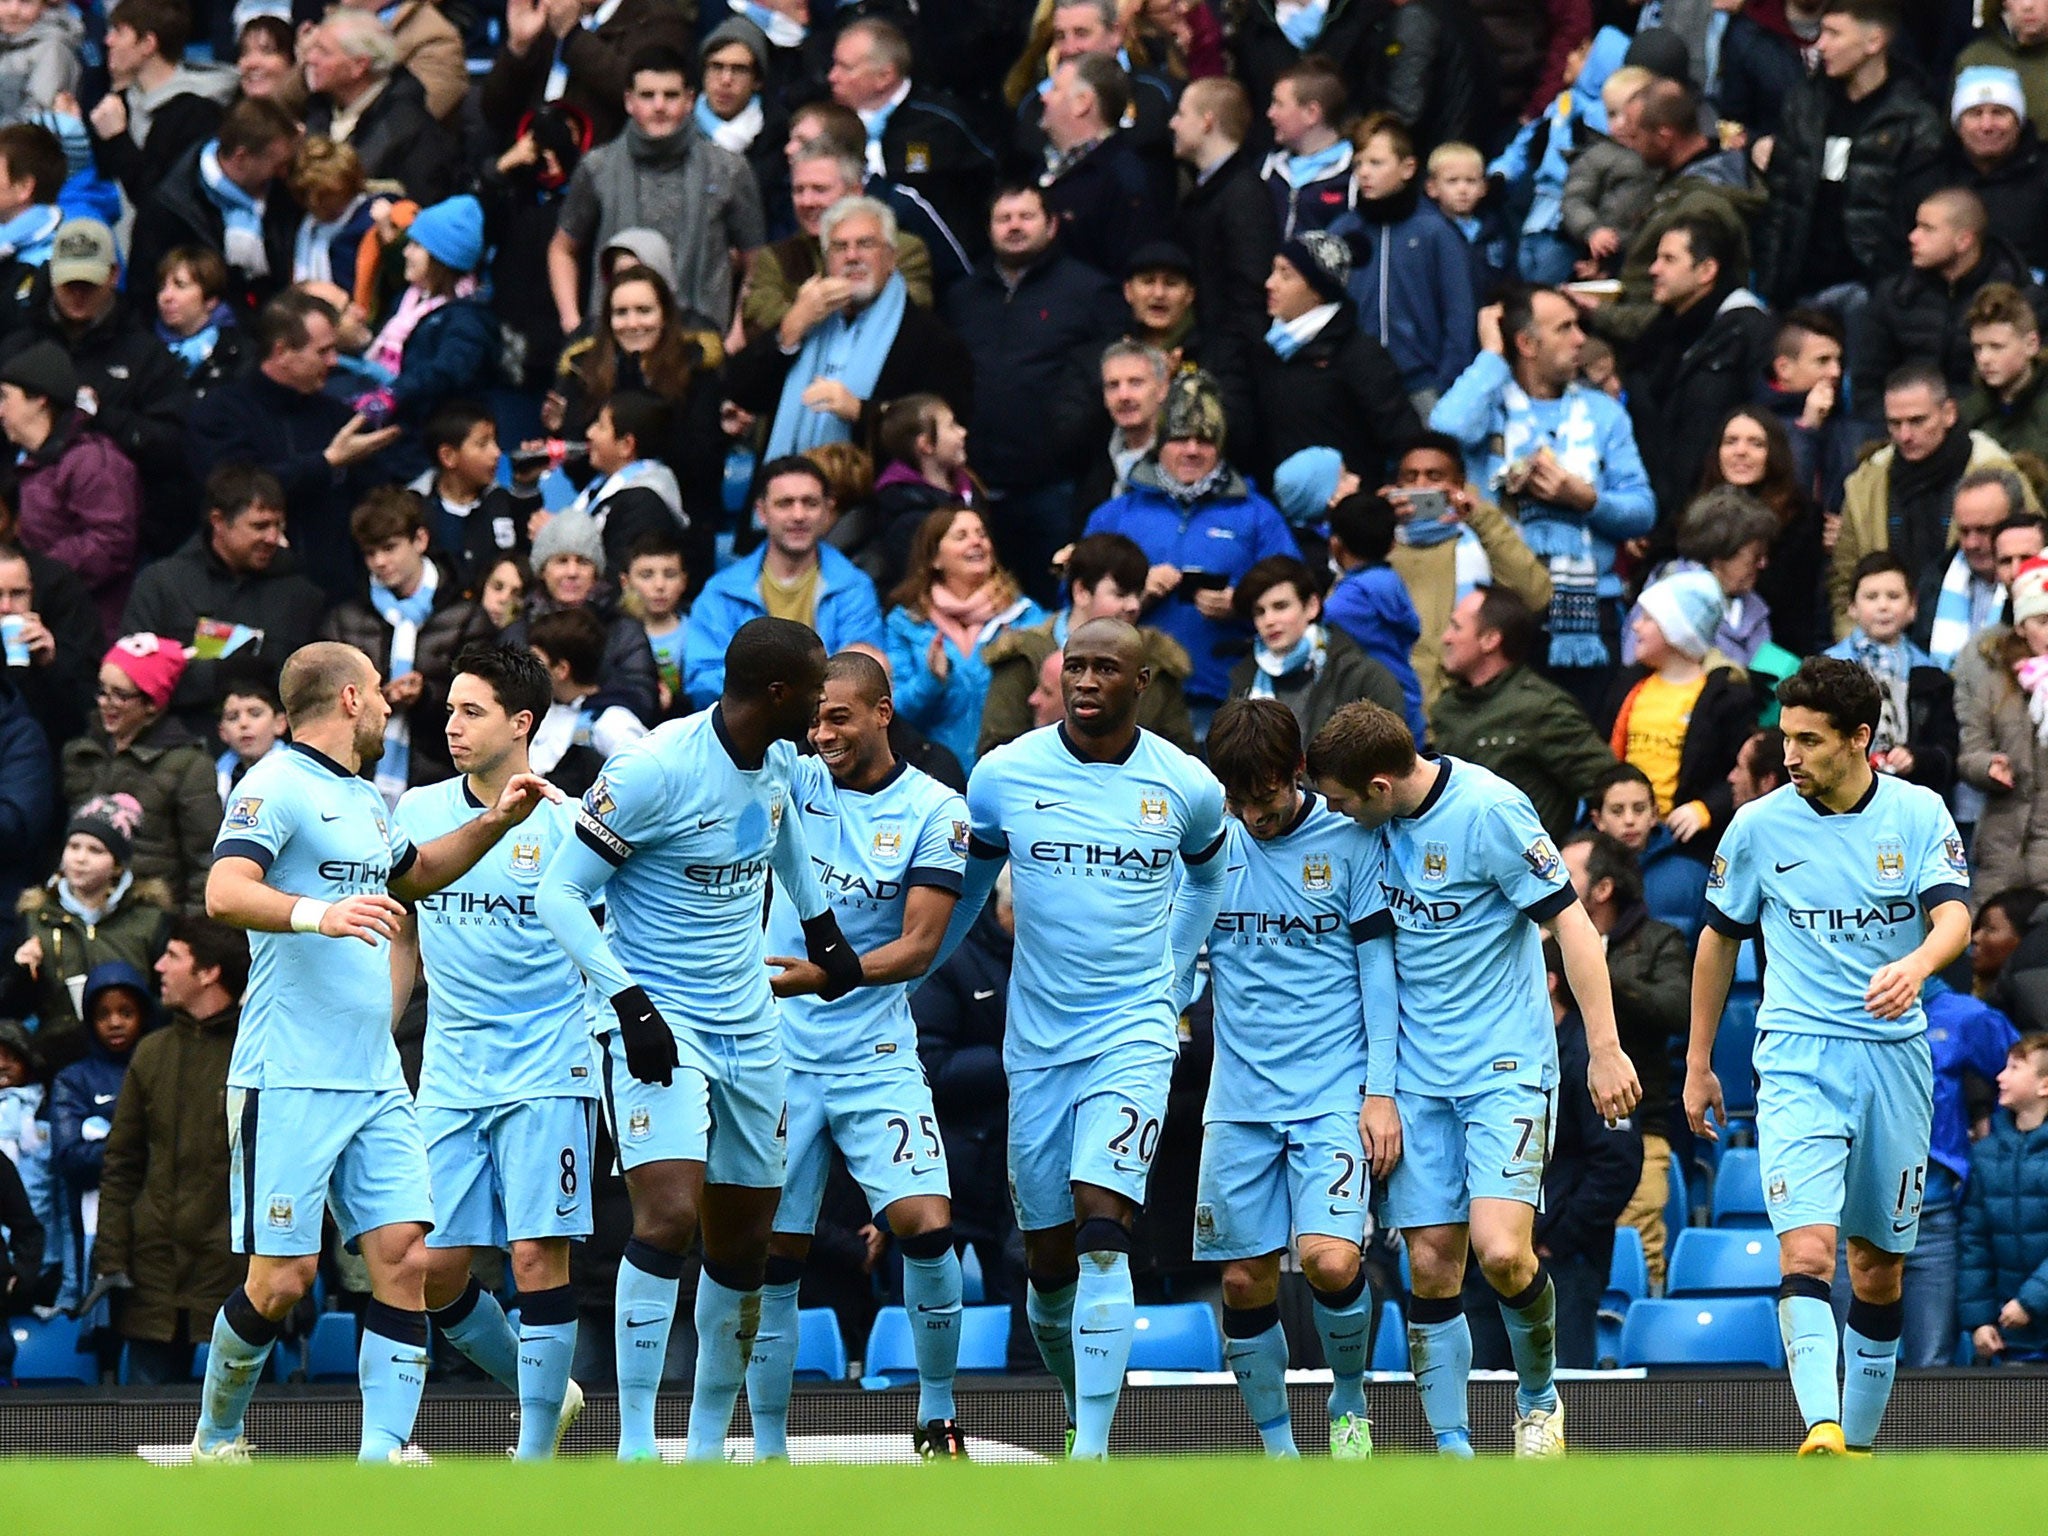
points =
(241, 213)
(851, 351)
(405, 615)
(783, 31)
(1304, 25)
(26, 237)
(1307, 655)
(1300, 170)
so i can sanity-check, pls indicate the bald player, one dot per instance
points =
(1093, 813)
(319, 1118)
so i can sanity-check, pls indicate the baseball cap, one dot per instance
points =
(82, 252)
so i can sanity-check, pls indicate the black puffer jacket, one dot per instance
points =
(2015, 192)
(1685, 378)
(398, 139)
(1917, 316)
(1433, 67)
(1341, 390)
(1891, 165)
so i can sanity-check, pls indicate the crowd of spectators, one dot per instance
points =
(1553, 372)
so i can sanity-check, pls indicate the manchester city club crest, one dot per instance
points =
(1151, 810)
(1891, 860)
(281, 1213)
(1315, 872)
(638, 1125)
(1436, 862)
(888, 843)
(526, 858)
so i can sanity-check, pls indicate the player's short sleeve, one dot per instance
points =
(940, 857)
(1367, 901)
(1523, 861)
(628, 803)
(1202, 838)
(257, 823)
(986, 838)
(1734, 898)
(1944, 864)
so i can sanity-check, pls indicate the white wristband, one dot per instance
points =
(306, 914)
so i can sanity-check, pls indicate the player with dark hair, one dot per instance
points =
(1471, 883)
(890, 845)
(680, 833)
(1857, 883)
(1282, 1154)
(507, 1075)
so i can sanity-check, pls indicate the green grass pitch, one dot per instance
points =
(1924, 1494)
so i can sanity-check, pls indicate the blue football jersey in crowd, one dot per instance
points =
(505, 1005)
(1468, 878)
(1283, 959)
(1836, 895)
(868, 848)
(317, 1012)
(681, 837)
(1092, 850)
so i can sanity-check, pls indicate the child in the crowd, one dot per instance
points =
(1609, 185)
(1309, 171)
(502, 593)
(1370, 602)
(32, 170)
(25, 1144)
(655, 582)
(1412, 276)
(252, 726)
(1599, 367)
(924, 456)
(2002, 1267)
(2008, 405)
(634, 494)
(1456, 183)
(473, 519)
(1622, 804)
(41, 58)
(440, 342)
(83, 1097)
(1917, 735)
(1311, 667)
(92, 910)
(193, 321)
(585, 726)
(1682, 712)
(335, 241)
(1538, 159)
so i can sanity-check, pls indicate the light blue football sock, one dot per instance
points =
(1105, 1307)
(1531, 1321)
(1255, 1352)
(547, 1346)
(931, 1297)
(644, 1309)
(1440, 1354)
(475, 1324)
(728, 1318)
(771, 1366)
(242, 1340)
(1051, 1315)
(392, 1366)
(1807, 1322)
(1344, 1324)
(1870, 1356)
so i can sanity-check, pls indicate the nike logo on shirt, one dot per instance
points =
(1047, 805)
(981, 996)
(1782, 868)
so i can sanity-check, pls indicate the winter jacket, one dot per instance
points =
(1371, 605)
(1723, 718)
(1349, 40)
(961, 1012)
(1347, 676)
(164, 1181)
(131, 927)
(903, 499)
(1917, 316)
(1531, 41)
(1315, 204)
(1340, 390)
(948, 710)
(1430, 573)
(1435, 71)
(2014, 192)
(1021, 339)
(1891, 166)
(1760, 69)
(79, 500)
(1016, 657)
(178, 212)
(1967, 1037)
(398, 139)
(848, 614)
(2002, 1244)
(21, 1257)
(776, 271)
(596, 58)
(173, 595)
(82, 1095)
(451, 355)
(1608, 187)
(1649, 968)
(171, 776)
(2011, 844)
(1677, 403)
(1411, 278)
(626, 674)
(40, 65)
(1226, 224)
(1225, 532)
(185, 110)
(1714, 184)
(1593, 1167)
(1931, 730)
(1529, 731)
(60, 695)
(2019, 424)
(28, 795)
(454, 623)
(1110, 202)
(1823, 459)
(932, 147)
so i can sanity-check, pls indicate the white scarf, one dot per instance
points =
(394, 768)
(313, 246)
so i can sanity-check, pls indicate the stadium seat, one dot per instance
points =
(1734, 1046)
(890, 1352)
(984, 1343)
(1739, 1190)
(1719, 1330)
(332, 1347)
(1390, 1344)
(821, 1348)
(1628, 1276)
(1678, 1203)
(47, 1351)
(1710, 1261)
(1179, 1337)
(985, 1338)
(971, 1289)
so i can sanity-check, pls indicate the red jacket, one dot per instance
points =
(80, 502)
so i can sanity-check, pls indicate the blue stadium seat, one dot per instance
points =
(1390, 1344)
(1718, 1330)
(1628, 1276)
(890, 1352)
(1678, 1203)
(1739, 1190)
(1180, 1337)
(971, 1287)
(332, 1347)
(820, 1347)
(985, 1338)
(1723, 1260)
(984, 1343)
(47, 1351)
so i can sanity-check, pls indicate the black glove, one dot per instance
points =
(650, 1048)
(829, 952)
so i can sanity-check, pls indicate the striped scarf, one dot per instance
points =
(1957, 612)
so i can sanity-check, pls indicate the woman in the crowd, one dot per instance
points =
(953, 600)
(502, 592)
(2002, 709)
(1753, 454)
(193, 321)
(265, 57)
(1729, 533)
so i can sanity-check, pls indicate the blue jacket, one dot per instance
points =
(1371, 604)
(949, 712)
(82, 1097)
(1546, 167)
(2004, 1233)
(1965, 1035)
(452, 354)
(848, 614)
(1227, 532)
(1411, 278)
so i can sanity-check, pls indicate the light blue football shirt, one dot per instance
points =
(1836, 895)
(1468, 879)
(869, 848)
(317, 1012)
(1283, 959)
(1092, 850)
(506, 1019)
